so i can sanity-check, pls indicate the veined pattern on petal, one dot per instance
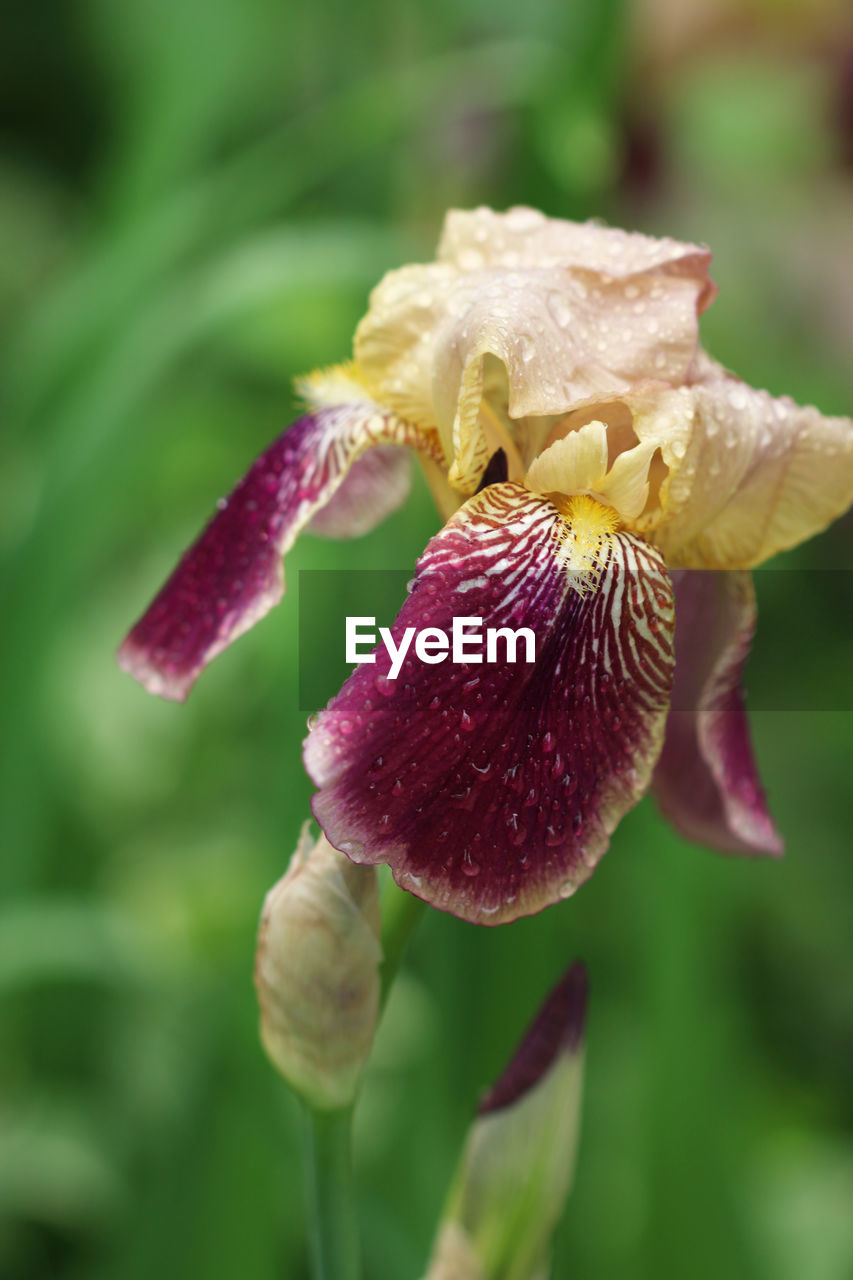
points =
(233, 574)
(492, 789)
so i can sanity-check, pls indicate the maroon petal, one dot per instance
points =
(492, 789)
(706, 780)
(233, 574)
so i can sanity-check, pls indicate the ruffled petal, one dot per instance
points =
(750, 474)
(492, 788)
(233, 574)
(523, 237)
(570, 314)
(706, 780)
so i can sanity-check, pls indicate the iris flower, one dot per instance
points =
(589, 459)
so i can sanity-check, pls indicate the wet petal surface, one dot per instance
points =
(751, 474)
(233, 574)
(492, 788)
(568, 313)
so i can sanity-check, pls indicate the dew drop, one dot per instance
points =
(560, 310)
(469, 866)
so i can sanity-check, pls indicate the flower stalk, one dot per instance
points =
(401, 913)
(331, 1215)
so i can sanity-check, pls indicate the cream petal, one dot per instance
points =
(565, 336)
(626, 485)
(750, 474)
(575, 464)
(523, 237)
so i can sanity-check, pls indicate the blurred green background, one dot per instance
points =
(195, 199)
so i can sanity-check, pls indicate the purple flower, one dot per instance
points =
(581, 446)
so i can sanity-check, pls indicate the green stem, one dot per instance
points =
(331, 1214)
(401, 912)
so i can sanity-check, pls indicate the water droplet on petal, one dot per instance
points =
(560, 309)
(468, 865)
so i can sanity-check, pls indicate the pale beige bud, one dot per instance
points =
(317, 972)
(517, 1162)
(454, 1256)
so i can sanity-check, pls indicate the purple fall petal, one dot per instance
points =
(492, 789)
(706, 780)
(233, 574)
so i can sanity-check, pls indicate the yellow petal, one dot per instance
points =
(750, 474)
(626, 485)
(575, 464)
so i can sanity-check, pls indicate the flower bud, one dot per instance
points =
(317, 972)
(517, 1164)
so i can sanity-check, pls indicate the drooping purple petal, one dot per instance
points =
(557, 1028)
(233, 574)
(706, 780)
(491, 789)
